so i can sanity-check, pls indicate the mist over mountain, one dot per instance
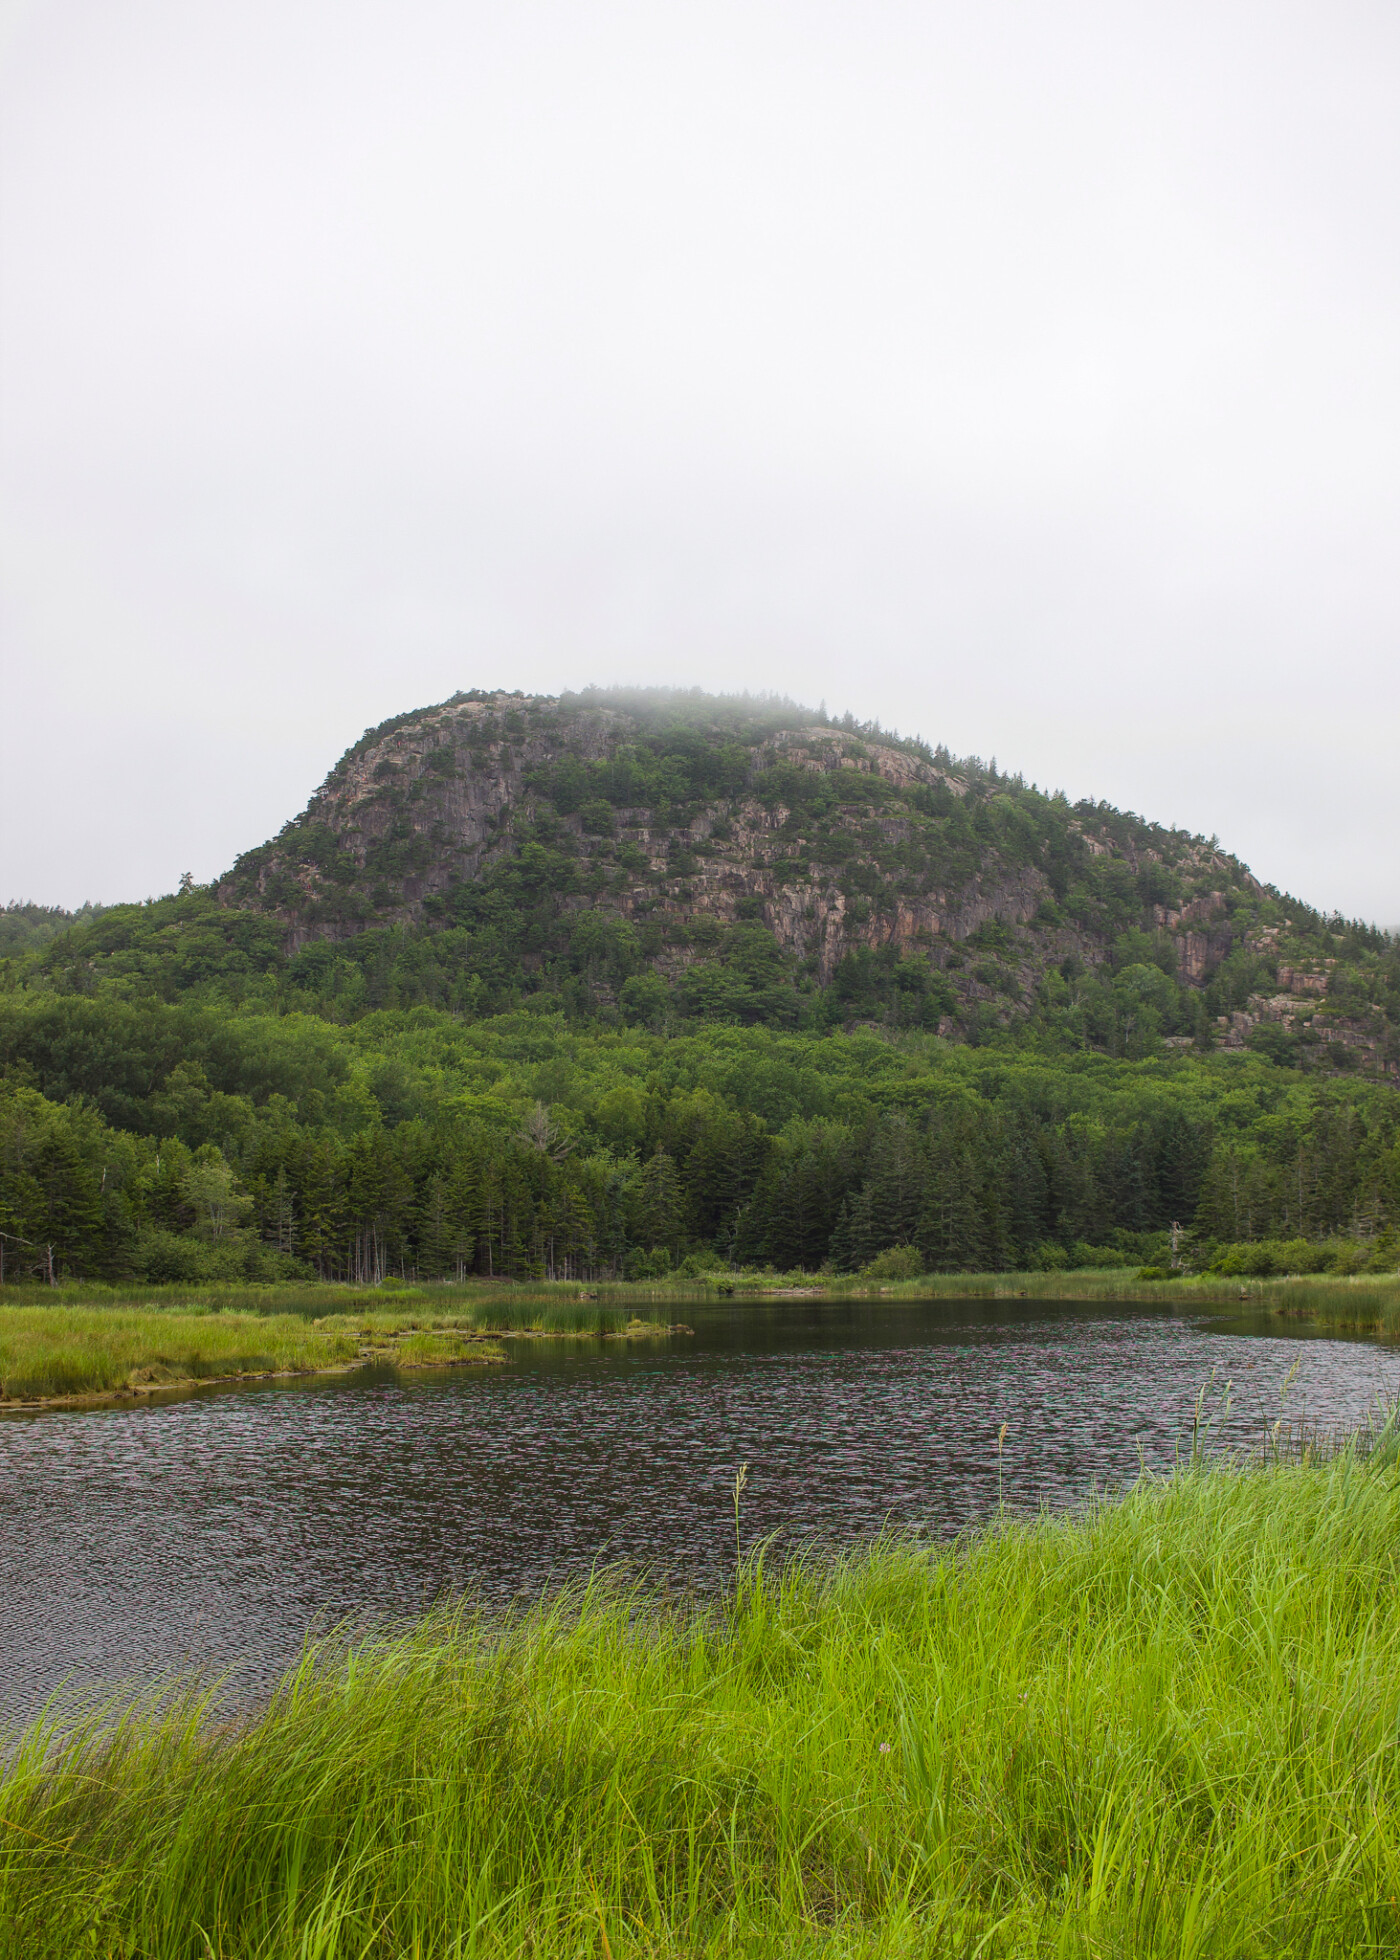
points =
(684, 854)
(630, 983)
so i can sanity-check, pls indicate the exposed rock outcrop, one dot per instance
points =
(833, 837)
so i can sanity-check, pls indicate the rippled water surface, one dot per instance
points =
(215, 1530)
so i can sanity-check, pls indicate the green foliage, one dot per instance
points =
(753, 981)
(677, 767)
(182, 1141)
(24, 928)
(884, 985)
(919, 1003)
(896, 1262)
(1272, 1258)
(1162, 1727)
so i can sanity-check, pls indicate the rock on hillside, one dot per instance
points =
(685, 815)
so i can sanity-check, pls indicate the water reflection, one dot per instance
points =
(215, 1529)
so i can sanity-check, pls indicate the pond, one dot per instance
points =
(215, 1529)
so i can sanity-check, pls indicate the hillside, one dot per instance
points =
(24, 928)
(674, 858)
(615, 984)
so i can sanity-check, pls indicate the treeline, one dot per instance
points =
(184, 1141)
(26, 928)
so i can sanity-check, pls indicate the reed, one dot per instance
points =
(49, 1352)
(1365, 1301)
(312, 1298)
(56, 1353)
(559, 1317)
(1166, 1726)
(1369, 1301)
(1353, 1306)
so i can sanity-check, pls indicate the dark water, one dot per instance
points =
(216, 1529)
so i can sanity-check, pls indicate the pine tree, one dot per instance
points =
(852, 1241)
(68, 1223)
(951, 1232)
(658, 1211)
(895, 1183)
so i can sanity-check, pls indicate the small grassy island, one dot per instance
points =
(1165, 1726)
(92, 1344)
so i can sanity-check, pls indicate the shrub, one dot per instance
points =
(1099, 1255)
(896, 1262)
(1271, 1258)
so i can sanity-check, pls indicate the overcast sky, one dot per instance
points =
(1025, 375)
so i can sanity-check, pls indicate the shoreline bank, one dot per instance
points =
(1161, 1724)
(76, 1346)
(54, 1357)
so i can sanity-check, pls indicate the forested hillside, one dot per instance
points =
(610, 984)
(25, 927)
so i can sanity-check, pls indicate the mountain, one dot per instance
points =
(749, 860)
(631, 983)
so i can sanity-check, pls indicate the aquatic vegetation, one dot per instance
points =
(72, 1350)
(1164, 1726)
(1353, 1306)
(59, 1351)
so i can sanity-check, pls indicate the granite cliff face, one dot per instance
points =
(685, 816)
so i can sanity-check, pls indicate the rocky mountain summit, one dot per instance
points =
(747, 859)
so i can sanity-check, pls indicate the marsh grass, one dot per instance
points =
(559, 1317)
(54, 1353)
(1366, 1300)
(88, 1339)
(314, 1299)
(1376, 1296)
(1361, 1306)
(497, 1305)
(50, 1352)
(1167, 1726)
(61, 1351)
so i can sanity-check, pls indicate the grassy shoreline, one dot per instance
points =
(66, 1355)
(1163, 1726)
(1362, 1302)
(85, 1342)
(320, 1298)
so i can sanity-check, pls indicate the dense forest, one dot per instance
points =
(622, 986)
(25, 927)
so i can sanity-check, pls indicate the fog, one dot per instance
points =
(1025, 377)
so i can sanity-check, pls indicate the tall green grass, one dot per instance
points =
(1367, 1301)
(1357, 1306)
(491, 1306)
(313, 1298)
(556, 1317)
(58, 1351)
(50, 1352)
(1169, 1726)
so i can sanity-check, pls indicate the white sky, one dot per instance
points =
(1025, 375)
